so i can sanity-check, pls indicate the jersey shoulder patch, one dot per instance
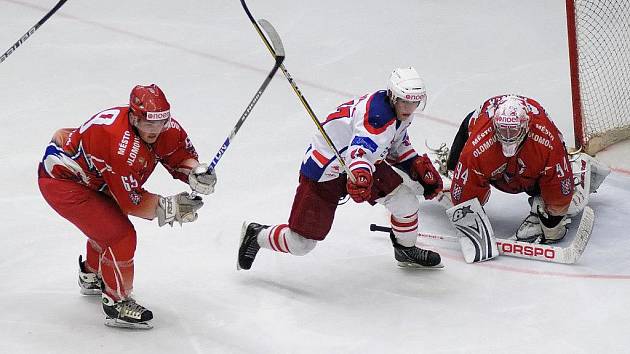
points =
(379, 113)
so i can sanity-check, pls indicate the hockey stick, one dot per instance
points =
(540, 252)
(279, 57)
(32, 30)
(297, 91)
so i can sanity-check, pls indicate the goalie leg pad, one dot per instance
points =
(589, 168)
(588, 175)
(530, 230)
(476, 236)
(553, 227)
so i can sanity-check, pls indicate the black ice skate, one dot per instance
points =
(89, 283)
(249, 244)
(415, 257)
(126, 314)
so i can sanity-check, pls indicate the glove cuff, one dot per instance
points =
(166, 210)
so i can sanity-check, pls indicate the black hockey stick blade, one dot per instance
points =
(276, 43)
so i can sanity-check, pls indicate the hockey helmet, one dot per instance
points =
(405, 84)
(149, 102)
(511, 122)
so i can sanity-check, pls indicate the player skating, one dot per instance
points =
(371, 133)
(93, 176)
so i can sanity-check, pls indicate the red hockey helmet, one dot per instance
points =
(149, 102)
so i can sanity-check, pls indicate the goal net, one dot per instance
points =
(599, 56)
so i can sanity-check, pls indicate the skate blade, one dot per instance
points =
(419, 266)
(90, 292)
(118, 323)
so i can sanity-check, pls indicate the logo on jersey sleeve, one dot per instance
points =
(135, 197)
(565, 186)
(365, 142)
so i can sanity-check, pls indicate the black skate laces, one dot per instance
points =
(414, 253)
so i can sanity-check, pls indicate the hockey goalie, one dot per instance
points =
(510, 143)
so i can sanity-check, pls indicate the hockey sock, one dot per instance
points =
(281, 238)
(405, 229)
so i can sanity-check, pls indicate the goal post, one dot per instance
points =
(599, 59)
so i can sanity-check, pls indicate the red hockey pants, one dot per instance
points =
(111, 236)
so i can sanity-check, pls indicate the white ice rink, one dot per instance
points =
(347, 296)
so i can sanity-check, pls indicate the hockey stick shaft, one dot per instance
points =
(245, 114)
(279, 59)
(32, 30)
(299, 94)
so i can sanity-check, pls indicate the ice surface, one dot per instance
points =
(347, 296)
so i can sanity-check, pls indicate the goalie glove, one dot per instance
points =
(201, 181)
(178, 208)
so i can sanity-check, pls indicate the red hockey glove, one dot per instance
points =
(422, 170)
(360, 190)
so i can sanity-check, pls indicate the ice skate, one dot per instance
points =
(249, 246)
(126, 314)
(415, 257)
(89, 283)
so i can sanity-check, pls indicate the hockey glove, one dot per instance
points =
(360, 189)
(422, 170)
(201, 181)
(178, 208)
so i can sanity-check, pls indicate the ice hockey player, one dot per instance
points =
(371, 134)
(93, 176)
(511, 143)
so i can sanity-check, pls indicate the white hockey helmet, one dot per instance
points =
(406, 84)
(511, 122)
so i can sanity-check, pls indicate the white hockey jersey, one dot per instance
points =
(366, 132)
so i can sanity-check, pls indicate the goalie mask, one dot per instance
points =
(405, 84)
(511, 123)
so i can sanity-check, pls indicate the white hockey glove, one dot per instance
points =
(178, 208)
(201, 181)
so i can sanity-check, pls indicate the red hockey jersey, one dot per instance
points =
(540, 165)
(107, 155)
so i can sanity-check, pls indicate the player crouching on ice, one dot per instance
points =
(371, 133)
(93, 176)
(511, 143)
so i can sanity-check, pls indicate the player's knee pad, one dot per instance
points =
(124, 247)
(299, 245)
(401, 202)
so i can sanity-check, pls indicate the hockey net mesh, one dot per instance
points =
(603, 46)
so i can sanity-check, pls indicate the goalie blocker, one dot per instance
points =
(476, 236)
